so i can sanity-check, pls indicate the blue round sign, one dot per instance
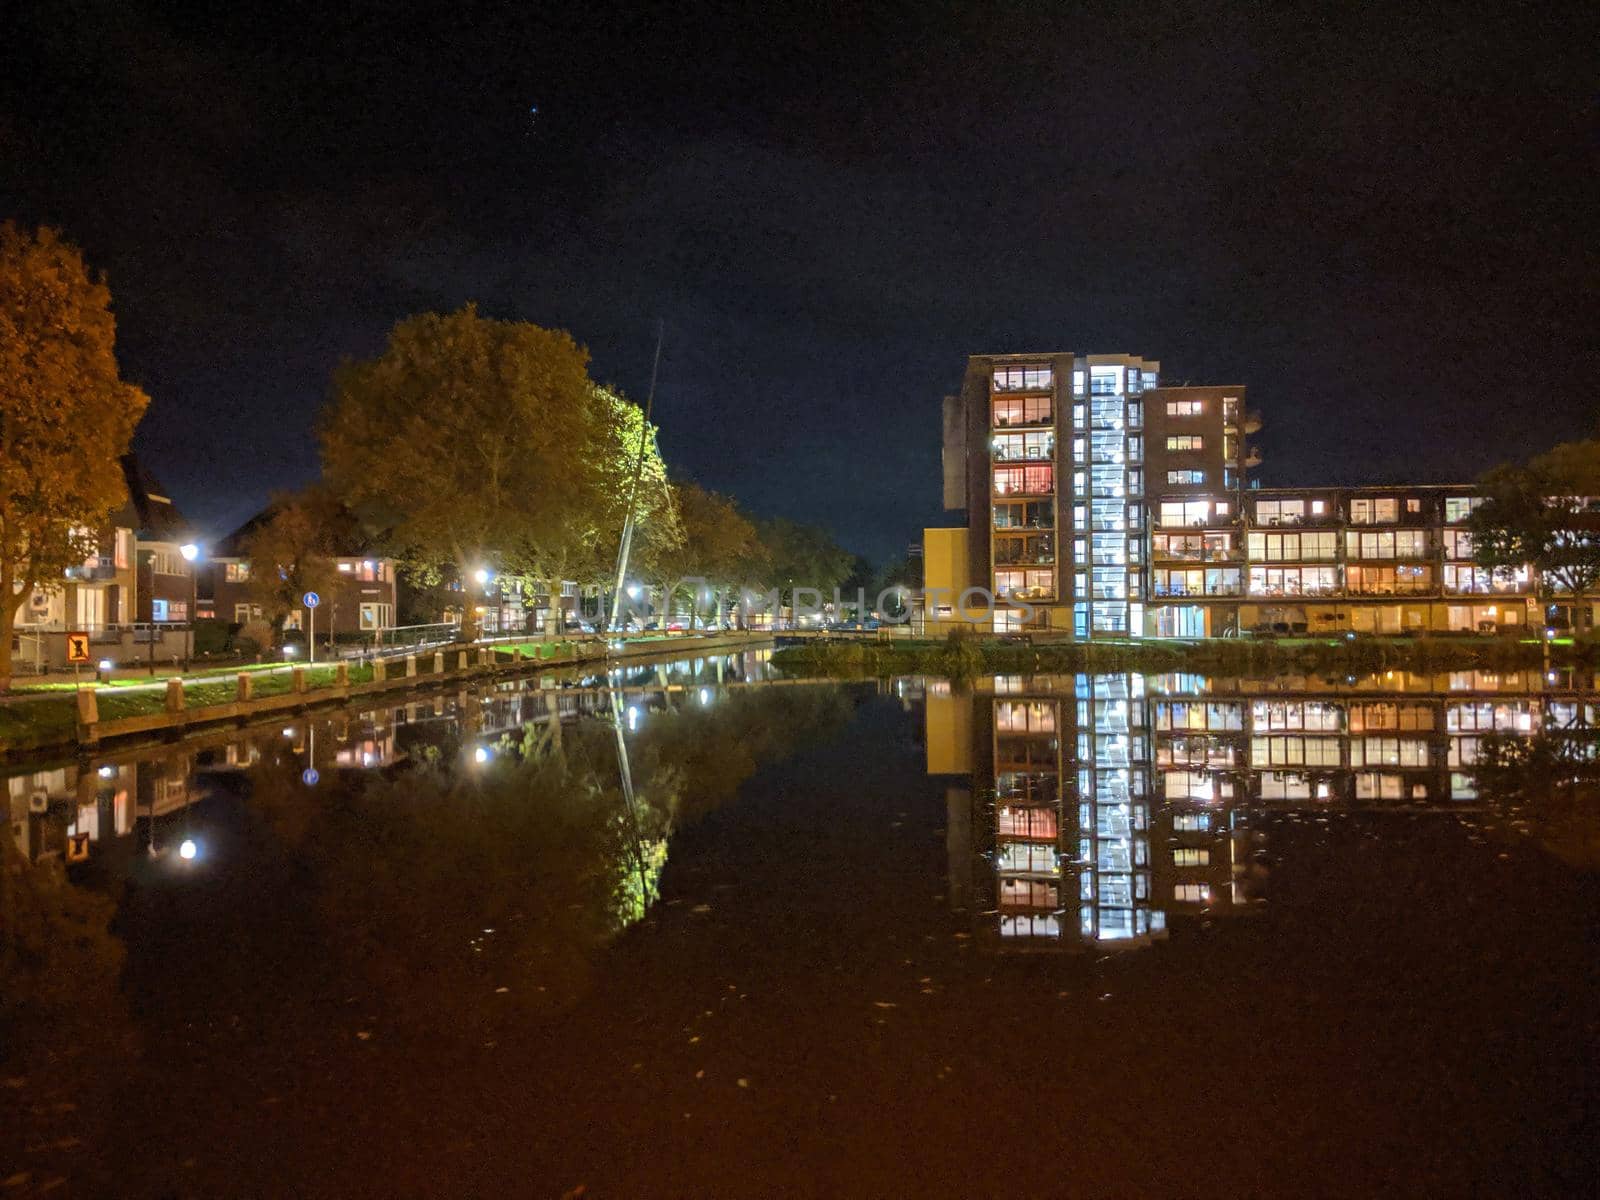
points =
(309, 777)
(311, 599)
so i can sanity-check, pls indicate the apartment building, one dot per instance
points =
(1099, 502)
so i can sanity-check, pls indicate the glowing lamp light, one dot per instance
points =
(189, 551)
(633, 590)
(481, 575)
(106, 664)
(107, 771)
(188, 850)
(633, 717)
(288, 651)
(480, 755)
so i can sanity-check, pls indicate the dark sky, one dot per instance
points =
(1380, 219)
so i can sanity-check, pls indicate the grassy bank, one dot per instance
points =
(51, 718)
(965, 656)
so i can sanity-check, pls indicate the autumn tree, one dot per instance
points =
(718, 544)
(66, 417)
(1541, 515)
(804, 556)
(627, 446)
(294, 551)
(478, 442)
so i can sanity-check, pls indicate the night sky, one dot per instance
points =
(1381, 220)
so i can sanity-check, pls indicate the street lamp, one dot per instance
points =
(189, 551)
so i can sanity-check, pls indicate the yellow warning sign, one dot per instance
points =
(77, 647)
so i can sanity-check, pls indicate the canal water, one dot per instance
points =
(696, 929)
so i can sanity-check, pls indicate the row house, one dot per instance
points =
(134, 596)
(363, 602)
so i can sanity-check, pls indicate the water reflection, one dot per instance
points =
(1102, 806)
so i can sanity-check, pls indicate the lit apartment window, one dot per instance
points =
(1185, 441)
(236, 572)
(1319, 507)
(1025, 447)
(1280, 512)
(1320, 546)
(1459, 508)
(1186, 478)
(1413, 505)
(1025, 585)
(1179, 513)
(1390, 581)
(1027, 481)
(1374, 512)
(1191, 856)
(1024, 515)
(1191, 822)
(1191, 893)
(1150, 380)
(1022, 410)
(1458, 544)
(1294, 581)
(1184, 408)
(1400, 543)
(123, 549)
(1080, 383)
(1023, 379)
(1105, 381)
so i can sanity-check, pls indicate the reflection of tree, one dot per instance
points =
(1549, 784)
(59, 963)
(442, 884)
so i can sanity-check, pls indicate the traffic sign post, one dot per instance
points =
(311, 600)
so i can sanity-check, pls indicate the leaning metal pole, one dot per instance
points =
(633, 488)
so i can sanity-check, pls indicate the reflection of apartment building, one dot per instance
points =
(1100, 503)
(1121, 804)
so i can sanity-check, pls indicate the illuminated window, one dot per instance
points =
(1280, 512)
(1184, 408)
(1186, 478)
(1185, 441)
(1459, 508)
(1023, 379)
(1191, 822)
(1374, 511)
(236, 572)
(1191, 856)
(1030, 481)
(1191, 893)
(1022, 410)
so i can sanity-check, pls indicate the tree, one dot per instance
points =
(478, 442)
(294, 551)
(1541, 516)
(718, 543)
(804, 556)
(66, 418)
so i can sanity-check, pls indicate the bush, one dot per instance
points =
(254, 637)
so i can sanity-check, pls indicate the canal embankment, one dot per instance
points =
(962, 656)
(94, 715)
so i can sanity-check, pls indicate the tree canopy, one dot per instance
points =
(294, 552)
(480, 443)
(66, 417)
(1542, 515)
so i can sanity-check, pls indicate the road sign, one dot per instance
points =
(309, 777)
(77, 647)
(77, 847)
(311, 599)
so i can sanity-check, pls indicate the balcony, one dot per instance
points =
(93, 570)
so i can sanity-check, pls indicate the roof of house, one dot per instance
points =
(349, 536)
(149, 510)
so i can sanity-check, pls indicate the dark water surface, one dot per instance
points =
(719, 935)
